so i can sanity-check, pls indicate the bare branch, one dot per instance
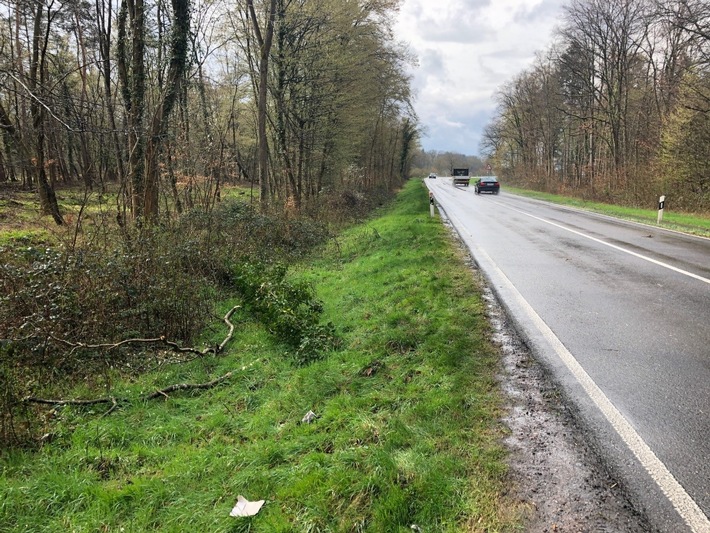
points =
(34, 399)
(114, 403)
(162, 392)
(187, 386)
(175, 346)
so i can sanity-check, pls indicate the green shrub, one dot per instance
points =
(152, 281)
(288, 309)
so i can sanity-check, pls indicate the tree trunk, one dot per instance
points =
(133, 91)
(104, 39)
(265, 43)
(47, 197)
(159, 125)
(11, 142)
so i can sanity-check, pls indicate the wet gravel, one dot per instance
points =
(555, 475)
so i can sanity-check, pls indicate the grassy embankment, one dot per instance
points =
(408, 409)
(683, 222)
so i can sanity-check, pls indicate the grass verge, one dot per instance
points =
(683, 222)
(407, 430)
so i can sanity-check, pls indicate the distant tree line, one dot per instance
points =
(442, 163)
(618, 108)
(170, 100)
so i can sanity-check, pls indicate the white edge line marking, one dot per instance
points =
(686, 507)
(619, 248)
(649, 225)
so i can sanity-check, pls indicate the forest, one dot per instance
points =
(618, 108)
(168, 101)
(177, 154)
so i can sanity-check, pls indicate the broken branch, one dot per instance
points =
(162, 392)
(173, 345)
(188, 386)
(34, 399)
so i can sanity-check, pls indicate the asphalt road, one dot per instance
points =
(620, 314)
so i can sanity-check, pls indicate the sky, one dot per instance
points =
(466, 51)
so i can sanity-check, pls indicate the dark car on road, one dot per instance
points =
(487, 184)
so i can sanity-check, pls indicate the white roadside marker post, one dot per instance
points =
(661, 205)
(431, 204)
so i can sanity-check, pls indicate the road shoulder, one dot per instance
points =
(555, 474)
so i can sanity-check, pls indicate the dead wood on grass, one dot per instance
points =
(158, 393)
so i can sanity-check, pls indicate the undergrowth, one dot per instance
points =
(403, 435)
(64, 309)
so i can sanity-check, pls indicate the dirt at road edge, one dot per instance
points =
(555, 475)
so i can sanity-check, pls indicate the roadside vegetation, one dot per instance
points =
(601, 114)
(405, 429)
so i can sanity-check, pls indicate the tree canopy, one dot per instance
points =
(173, 99)
(618, 107)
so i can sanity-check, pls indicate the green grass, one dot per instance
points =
(408, 409)
(21, 221)
(683, 222)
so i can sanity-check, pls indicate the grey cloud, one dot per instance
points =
(431, 66)
(548, 9)
(432, 62)
(464, 61)
(463, 23)
(463, 136)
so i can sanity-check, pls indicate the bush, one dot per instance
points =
(91, 297)
(155, 281)
(289, 309)
(241, 232)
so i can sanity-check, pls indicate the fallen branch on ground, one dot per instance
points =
(33, 399)
(162, 392)
(188, 386)
(157, 394)
(110, 399)
(173, 345)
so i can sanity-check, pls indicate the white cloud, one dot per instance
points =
(468, 49)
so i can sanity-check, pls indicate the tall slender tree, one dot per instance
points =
(264, 40)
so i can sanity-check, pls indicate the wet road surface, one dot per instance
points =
(620, 314)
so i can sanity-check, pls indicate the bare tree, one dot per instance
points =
(264, 40)
(38, 108)
(145, 145)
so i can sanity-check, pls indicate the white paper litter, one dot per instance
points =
(246, 508)
(309, 417)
